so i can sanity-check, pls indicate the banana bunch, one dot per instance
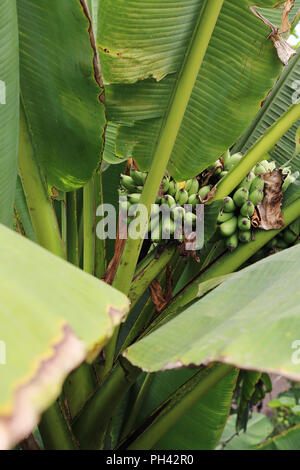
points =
(234, 221)
(172, 194)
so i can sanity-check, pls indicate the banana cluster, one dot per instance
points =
(172, 194)
(234, 221)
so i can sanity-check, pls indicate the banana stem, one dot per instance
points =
(72, 228)
(257, 152)
(42, 214)
(88, 227)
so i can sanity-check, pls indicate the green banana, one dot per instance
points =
(272, 243)
(244, 223)
(245, 237)
(171, 189)
(134, 198)
(169, 200)
(256, 196)
(181, 197)
(193, 200)
(290, 179)
(223, 174)
(203, 192)
(192, 186)
(124, 205)
(257, 183)
(247, 209)
(228, 228)
(233, 161)
(166, 184)
(259, 168)
(240, 196)
(168, 228)
(232, 242)
(178, 213)
(189, 219)
(229, 205)
(128, 183)
(138, 177)
(226, 157)
(224, 216)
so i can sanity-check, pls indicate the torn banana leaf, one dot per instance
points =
(250, 321)
(52, 316)
(140, 68)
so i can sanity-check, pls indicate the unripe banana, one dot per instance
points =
(166, 184)
(228, 228)
(244, 223)
(218, 172)
(124, 205)
(290, 179)
(223, 174)
(178, 213)
(247, 209)
(257, 183)
(229, 205)
(134, 198)
(233, 161)
(128, 183)
(256, 197)
(240, 196)
(265, 164)
(272, 166)
(181, 197)
(226, 157)
(169, 200)
(193, 187)
(156, 234)
(232, 242)
(203, 192)
(193, 200)
(138, 177)
(289, 236)
(167, 228)
(224, 216)
(172, 188)
(189, 219)
(245, 237)
(259, 169)
(139, 188)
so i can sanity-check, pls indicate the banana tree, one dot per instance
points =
(139, 342)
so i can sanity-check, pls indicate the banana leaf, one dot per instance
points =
(140, 70)
(9, 108)
(60, 90)
(251, 321)
(52, 317)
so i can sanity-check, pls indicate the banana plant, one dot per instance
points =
(138, 343)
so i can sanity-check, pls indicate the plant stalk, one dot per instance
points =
(257, 152)
(41, 211)
(88, 227)
(72, 228)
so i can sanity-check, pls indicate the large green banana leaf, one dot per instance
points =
(9, 108)
(251, 321)
(202, 426)
(289, 440)
(280, 99)
(259, 428)
(140, 67)
(52, 315)
(59, 90)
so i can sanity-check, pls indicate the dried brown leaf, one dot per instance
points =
(269, 215)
